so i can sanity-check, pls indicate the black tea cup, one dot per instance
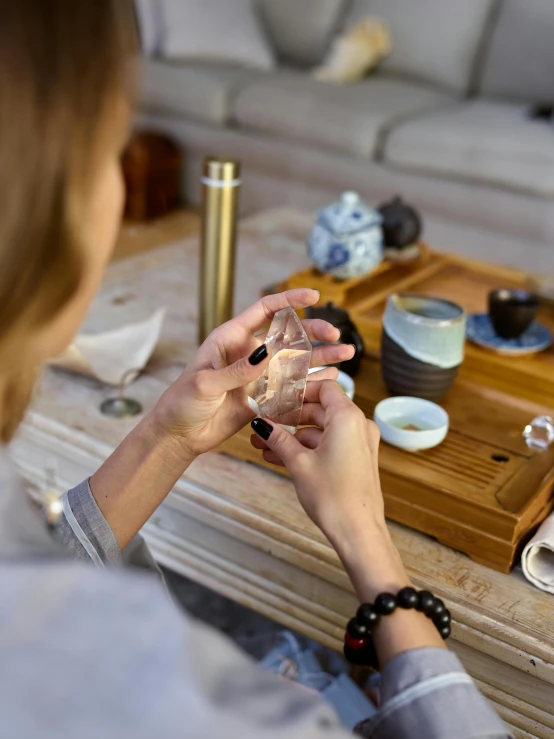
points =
(512, 311)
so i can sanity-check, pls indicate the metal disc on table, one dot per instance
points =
(121, 407)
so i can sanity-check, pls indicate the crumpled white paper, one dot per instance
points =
(110, 356)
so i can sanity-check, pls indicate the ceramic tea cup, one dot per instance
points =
(422, 345)
(512, 311)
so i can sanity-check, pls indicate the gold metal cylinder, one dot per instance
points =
(220, 191)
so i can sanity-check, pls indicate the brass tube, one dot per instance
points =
(220, 191)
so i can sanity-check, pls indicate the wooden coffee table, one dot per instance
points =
(238, 528)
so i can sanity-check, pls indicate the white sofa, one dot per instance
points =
(443, 122)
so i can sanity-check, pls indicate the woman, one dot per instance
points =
(92, 651)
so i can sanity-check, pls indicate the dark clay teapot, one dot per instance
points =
(349, 334)
(401, 224)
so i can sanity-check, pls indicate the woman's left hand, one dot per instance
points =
(208, 403)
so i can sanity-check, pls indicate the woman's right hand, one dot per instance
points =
(334, 466)
(333, 462)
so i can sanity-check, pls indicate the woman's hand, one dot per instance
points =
(208, 403)
(203, 408)
(333, 463)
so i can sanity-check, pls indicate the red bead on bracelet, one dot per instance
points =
(353, 643)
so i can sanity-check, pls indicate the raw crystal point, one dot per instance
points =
(539, 434)
(279, 392)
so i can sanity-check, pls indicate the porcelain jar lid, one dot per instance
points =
(348, 215)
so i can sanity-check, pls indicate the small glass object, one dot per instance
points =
(53, 508)
(50, 501)
(539, 434)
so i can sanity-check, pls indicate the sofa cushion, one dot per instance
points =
(300, 30)
(215, 31)
(150, 21)
(433, 40)
(199, 91)
(346, 118)
(487, 142)
(519, 62)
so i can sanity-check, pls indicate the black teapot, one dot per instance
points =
(401, 224)
(349, 334)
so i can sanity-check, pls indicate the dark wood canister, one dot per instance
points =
(152, 165)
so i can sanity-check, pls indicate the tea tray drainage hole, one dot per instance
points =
(500, 458)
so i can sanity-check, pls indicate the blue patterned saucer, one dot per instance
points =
(480, 331)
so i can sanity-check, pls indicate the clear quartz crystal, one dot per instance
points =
(539, 434)
(279, 392)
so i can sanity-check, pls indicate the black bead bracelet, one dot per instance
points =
(358, 643)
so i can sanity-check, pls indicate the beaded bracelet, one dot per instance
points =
(358, 644)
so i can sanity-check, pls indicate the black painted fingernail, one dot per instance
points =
(262, 428)
(258, 355)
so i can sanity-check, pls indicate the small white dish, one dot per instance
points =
(347, 384)
(411, 423)
(344, 380)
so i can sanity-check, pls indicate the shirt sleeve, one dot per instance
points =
(84, 532)
(427, 694)
(86, 535)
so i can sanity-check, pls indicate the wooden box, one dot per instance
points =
(152, 166)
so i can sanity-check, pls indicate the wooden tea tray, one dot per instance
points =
(464, 281)
(482, 491)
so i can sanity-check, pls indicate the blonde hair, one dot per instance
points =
(62, 63)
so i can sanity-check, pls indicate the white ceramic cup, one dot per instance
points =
(429, 329)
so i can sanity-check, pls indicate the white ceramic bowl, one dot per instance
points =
(344, 380)
(347, 384)
(395, 416)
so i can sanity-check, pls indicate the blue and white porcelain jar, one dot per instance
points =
(347, 240)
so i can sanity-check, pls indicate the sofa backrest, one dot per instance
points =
(518, 63)
(436, 41)
(300, 30)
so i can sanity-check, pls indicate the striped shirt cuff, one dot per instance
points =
(426, 694)
(84, 531)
